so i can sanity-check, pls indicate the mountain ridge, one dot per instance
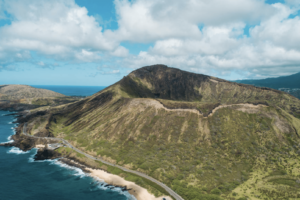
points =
(291, 81)
(289, 84)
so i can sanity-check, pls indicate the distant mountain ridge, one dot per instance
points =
(289, 84)
(292, 81)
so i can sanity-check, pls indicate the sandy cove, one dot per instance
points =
(137, 191)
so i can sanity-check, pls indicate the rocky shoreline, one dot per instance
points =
(83, 167)
(26, 143)
(47, 152)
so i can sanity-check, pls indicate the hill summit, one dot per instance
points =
(163, 82)
(17, 92)
(204, 137)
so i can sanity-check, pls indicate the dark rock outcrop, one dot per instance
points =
(45, 153)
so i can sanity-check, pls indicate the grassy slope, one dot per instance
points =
(229, 154)
(24, 95)
(18, 92)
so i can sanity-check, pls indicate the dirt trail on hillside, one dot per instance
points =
(157, 105)
(244, 107)
(139, 103)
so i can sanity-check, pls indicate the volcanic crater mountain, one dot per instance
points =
(204, 137)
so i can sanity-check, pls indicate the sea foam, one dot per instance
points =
(101, 184)
(31, 157)
(98, 183)
(77, 171)
(9, 139)
(16, 150)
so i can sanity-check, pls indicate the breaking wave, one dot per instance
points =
(16, 150)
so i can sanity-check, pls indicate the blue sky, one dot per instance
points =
(67, 42)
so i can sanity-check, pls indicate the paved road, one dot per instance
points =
(169, 190)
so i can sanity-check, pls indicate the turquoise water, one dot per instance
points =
(72, 90)
(21, 178)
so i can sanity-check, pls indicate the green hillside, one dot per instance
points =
(204, 137)
(18, 92)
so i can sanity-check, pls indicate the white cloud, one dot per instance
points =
(115, 71)
(87, 56)
(148, 21)
(104, 71)
(293, 2)
(279, 30)
(271, 49)
(137, 24)
(214, 40)
(204, 36)
(120, 52)
(44, 65)
(55, 28)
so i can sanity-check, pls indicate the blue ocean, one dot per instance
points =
(72, 90)
(22, 178)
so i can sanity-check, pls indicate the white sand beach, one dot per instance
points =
(137, 191)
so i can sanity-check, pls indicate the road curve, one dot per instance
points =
(169, 190)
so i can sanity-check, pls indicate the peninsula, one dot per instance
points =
(25, 97)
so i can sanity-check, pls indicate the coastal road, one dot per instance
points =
(169, 190)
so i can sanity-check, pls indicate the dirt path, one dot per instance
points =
(245, 107)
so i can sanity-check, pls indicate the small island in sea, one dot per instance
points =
(163, 133)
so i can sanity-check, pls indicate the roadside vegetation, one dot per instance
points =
(145, 183)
